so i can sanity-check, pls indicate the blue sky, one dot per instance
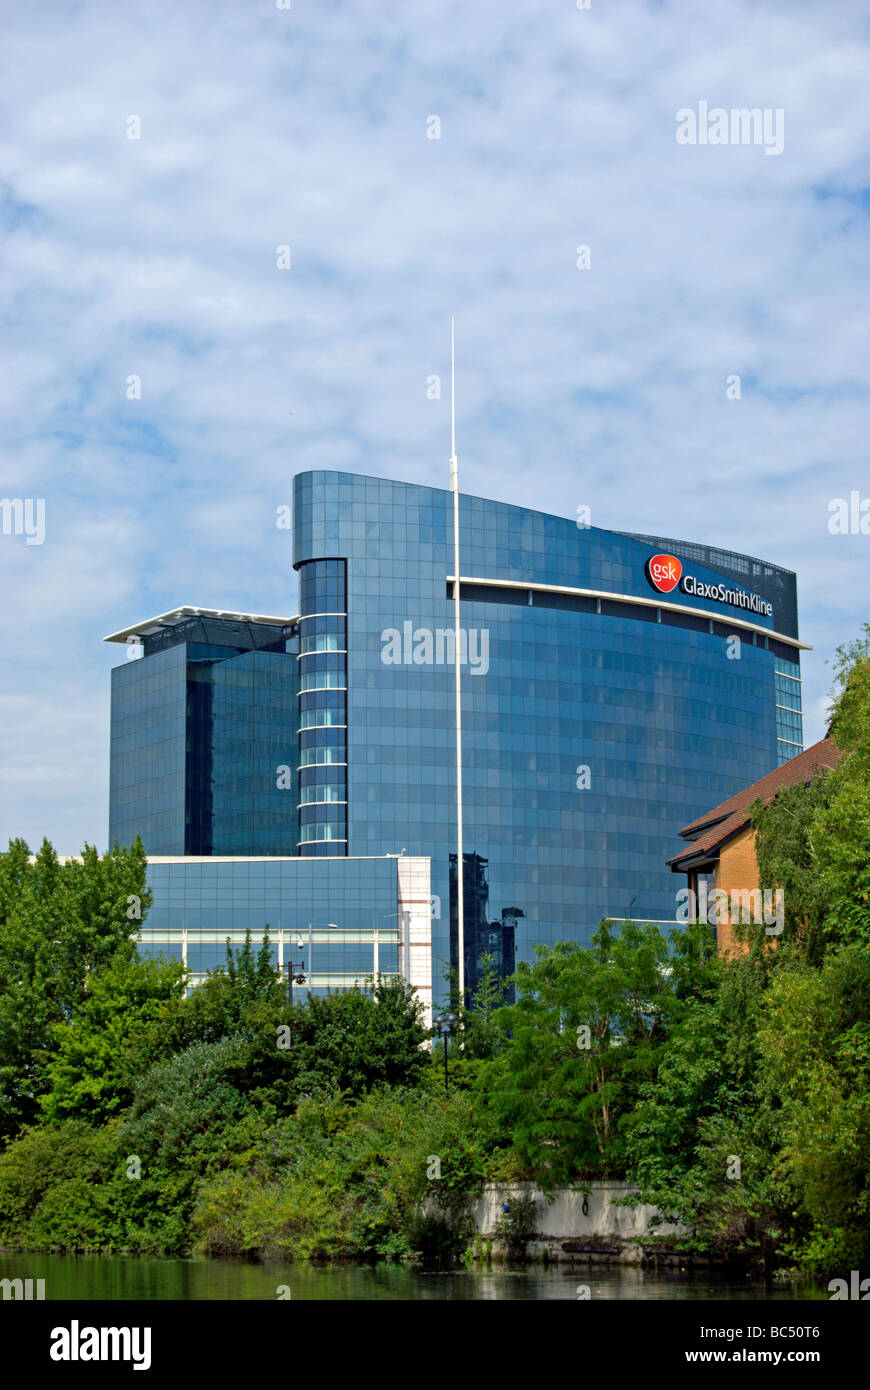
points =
(307, 127)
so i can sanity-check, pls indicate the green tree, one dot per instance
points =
(353, 1040)
(786, 840)
(813, 841)
(815, 1068)
(583, 1036)
(231, 995)
(60, 1188)
(111, 1039)
(703, 1111)
(478, 1035)
(59, 925)
(348, 1040)
(841, 828)
(389, 1176)
(176, 1129)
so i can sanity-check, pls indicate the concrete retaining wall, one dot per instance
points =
(564, 1232)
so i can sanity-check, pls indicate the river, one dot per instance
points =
(139, 1278)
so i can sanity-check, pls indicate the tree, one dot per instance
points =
(391, 1175)
(59, 925)
(110, 1039)
(786, 840)
(348, 1040)
(702, 1112)
(841, 827)
(815, 1066)
(176, 1130)
(231, 995)
(352, 1040)
(478, 1035)
(583, 1036)
(61, 1187)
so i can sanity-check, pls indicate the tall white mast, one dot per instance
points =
(460, 863)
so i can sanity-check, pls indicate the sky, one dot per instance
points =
(418, 160)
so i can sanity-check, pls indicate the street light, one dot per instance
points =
(445, 1026)
(292, 967)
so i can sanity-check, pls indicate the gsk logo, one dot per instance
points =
(663, 572)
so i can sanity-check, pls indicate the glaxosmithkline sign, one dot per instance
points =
(665, 572)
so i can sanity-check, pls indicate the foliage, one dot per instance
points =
(57, 1189)
(109, 1041)
(584, 1036)
(786, 850)
(815, 1047)
(841, 829)
(231, 996)
(518, 1225)
(813, 840)
(775, 1072)
(701, 1112)
(734, 1093)
(359, 1181)
(60, 924)
(351, 1041)
(347, 1041)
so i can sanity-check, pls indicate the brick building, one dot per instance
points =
(721, 851)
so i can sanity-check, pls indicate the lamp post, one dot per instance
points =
(445, 1026)
(292, 967)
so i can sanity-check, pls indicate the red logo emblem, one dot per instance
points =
(663, 572)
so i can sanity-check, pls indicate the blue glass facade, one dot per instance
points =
(147, 769)
(595, 723)
(614, 687)
(201, 903)
(204, 744)
(323, 709)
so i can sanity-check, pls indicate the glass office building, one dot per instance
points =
(337, 923)
(614, 685)
(203, 741)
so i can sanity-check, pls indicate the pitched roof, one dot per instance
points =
(718, 825)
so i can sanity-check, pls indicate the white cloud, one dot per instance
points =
(263, 127)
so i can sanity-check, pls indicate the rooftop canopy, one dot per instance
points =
(150, 626)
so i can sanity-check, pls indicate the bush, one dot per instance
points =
(518, 1225)
(342, 1180)
(60, 1189)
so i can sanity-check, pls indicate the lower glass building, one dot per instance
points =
(332, 925)
(614, 685)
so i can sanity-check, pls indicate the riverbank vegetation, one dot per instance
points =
(735, 1093)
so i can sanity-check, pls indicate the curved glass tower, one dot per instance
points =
(323, 708)
(614, 686)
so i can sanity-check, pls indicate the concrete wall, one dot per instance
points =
(564, 1232)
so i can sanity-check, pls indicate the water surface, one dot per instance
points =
(140, 1278)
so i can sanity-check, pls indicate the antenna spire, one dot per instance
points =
(457, 644)
(454, 461)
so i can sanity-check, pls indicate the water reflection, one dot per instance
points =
(89, 1277)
